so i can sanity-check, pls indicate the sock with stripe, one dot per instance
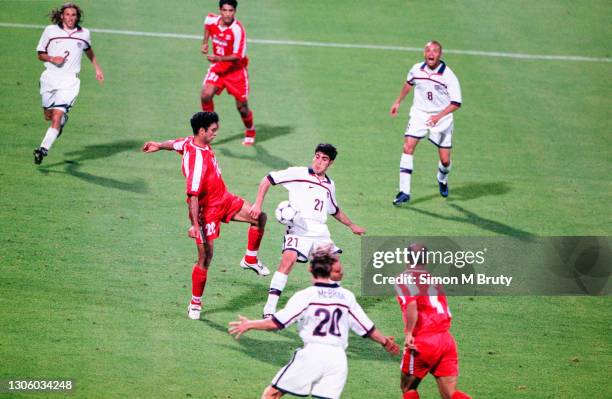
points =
(405, 172)
(198, 282)
(253, 242)
(277, 285)
(443, 172)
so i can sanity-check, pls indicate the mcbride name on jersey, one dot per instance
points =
(325, 312)
(314, 198)
(434, 89)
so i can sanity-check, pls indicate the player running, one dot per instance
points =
(430, 347)
(324, 312)
(228, 68)
(61, 48)
(209, 202)
(313, 194)
(436, 96)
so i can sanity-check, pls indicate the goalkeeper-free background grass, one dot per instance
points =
(94, 255)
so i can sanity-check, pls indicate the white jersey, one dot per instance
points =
(434, 89)
(56, 41)
(325, 312)
(314, 198)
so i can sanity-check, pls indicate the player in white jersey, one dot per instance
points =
(437, 95)
(313, 193)
(324, 312)
(61, 48)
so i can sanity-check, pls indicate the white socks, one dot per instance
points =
(50, 137)
(405, 173)
(443, 172)
(277, 285)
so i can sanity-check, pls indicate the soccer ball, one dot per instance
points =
(285, 213)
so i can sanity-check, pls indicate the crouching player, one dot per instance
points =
(430, 347)
(324, 312)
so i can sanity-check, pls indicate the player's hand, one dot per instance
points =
(57, 60)
(237, 328)
(394, 109)
(390, 346)
(433, 120)
(213, 58)
(357, 230)
(255, 211)
(204, 48)
(150, 146)
(410, 342)
(99, 75)
(194, 232)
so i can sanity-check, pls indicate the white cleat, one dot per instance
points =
(258, 267)
(193, 311)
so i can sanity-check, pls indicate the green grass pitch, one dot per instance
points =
(95, 261)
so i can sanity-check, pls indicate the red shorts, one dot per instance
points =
(224, 212)
(437, 354)
(236, 82)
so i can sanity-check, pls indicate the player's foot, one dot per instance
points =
(39, 154)
(443, 189)
(258, 267)
(193, 311)
(248, 141)
(400, 198)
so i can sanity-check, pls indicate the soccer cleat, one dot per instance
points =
(443, 189)
(248, 141)
(400, 198)
(193, 311)
(258, 267)
(39, 154)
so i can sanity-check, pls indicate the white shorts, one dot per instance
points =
(305, 245)
(58, 92)
(440, 134)
(317, 370)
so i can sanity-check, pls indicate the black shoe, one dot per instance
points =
(400, 198)
(39, 154)
(443, 189)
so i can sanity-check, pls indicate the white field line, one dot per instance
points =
(541, 57)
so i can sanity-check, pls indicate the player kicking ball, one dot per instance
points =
(324, 312)
(209, 203)
(313, 194)
(430, 347)
(436, 96)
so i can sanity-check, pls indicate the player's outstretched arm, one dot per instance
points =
(237, 328)
(154, 146)
(387, 342)
(264, 186)
(395, 106)
(92, 57)
(342, 218)
(411, 315)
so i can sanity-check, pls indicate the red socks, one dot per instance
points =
(410, 395)
(460, 395)
(254, 241)
(198, 282)
(248, 121)
(208, 106)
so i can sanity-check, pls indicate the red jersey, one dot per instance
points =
(201, 171)
(227, 40)
(434, 316)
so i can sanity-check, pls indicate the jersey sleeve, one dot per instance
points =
(43, 42)
(359, 321)
(410, 77)
(285, 175)
(210, 19)
(179, 145)
(454, 89)
(239, 48)
(87, 38)
(332, 206)
(296, 305)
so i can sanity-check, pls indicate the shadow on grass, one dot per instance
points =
(469, 191)
(98, 151)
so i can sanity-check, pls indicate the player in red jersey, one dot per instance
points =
(228, 68)
(430, 347)
(209, 202)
